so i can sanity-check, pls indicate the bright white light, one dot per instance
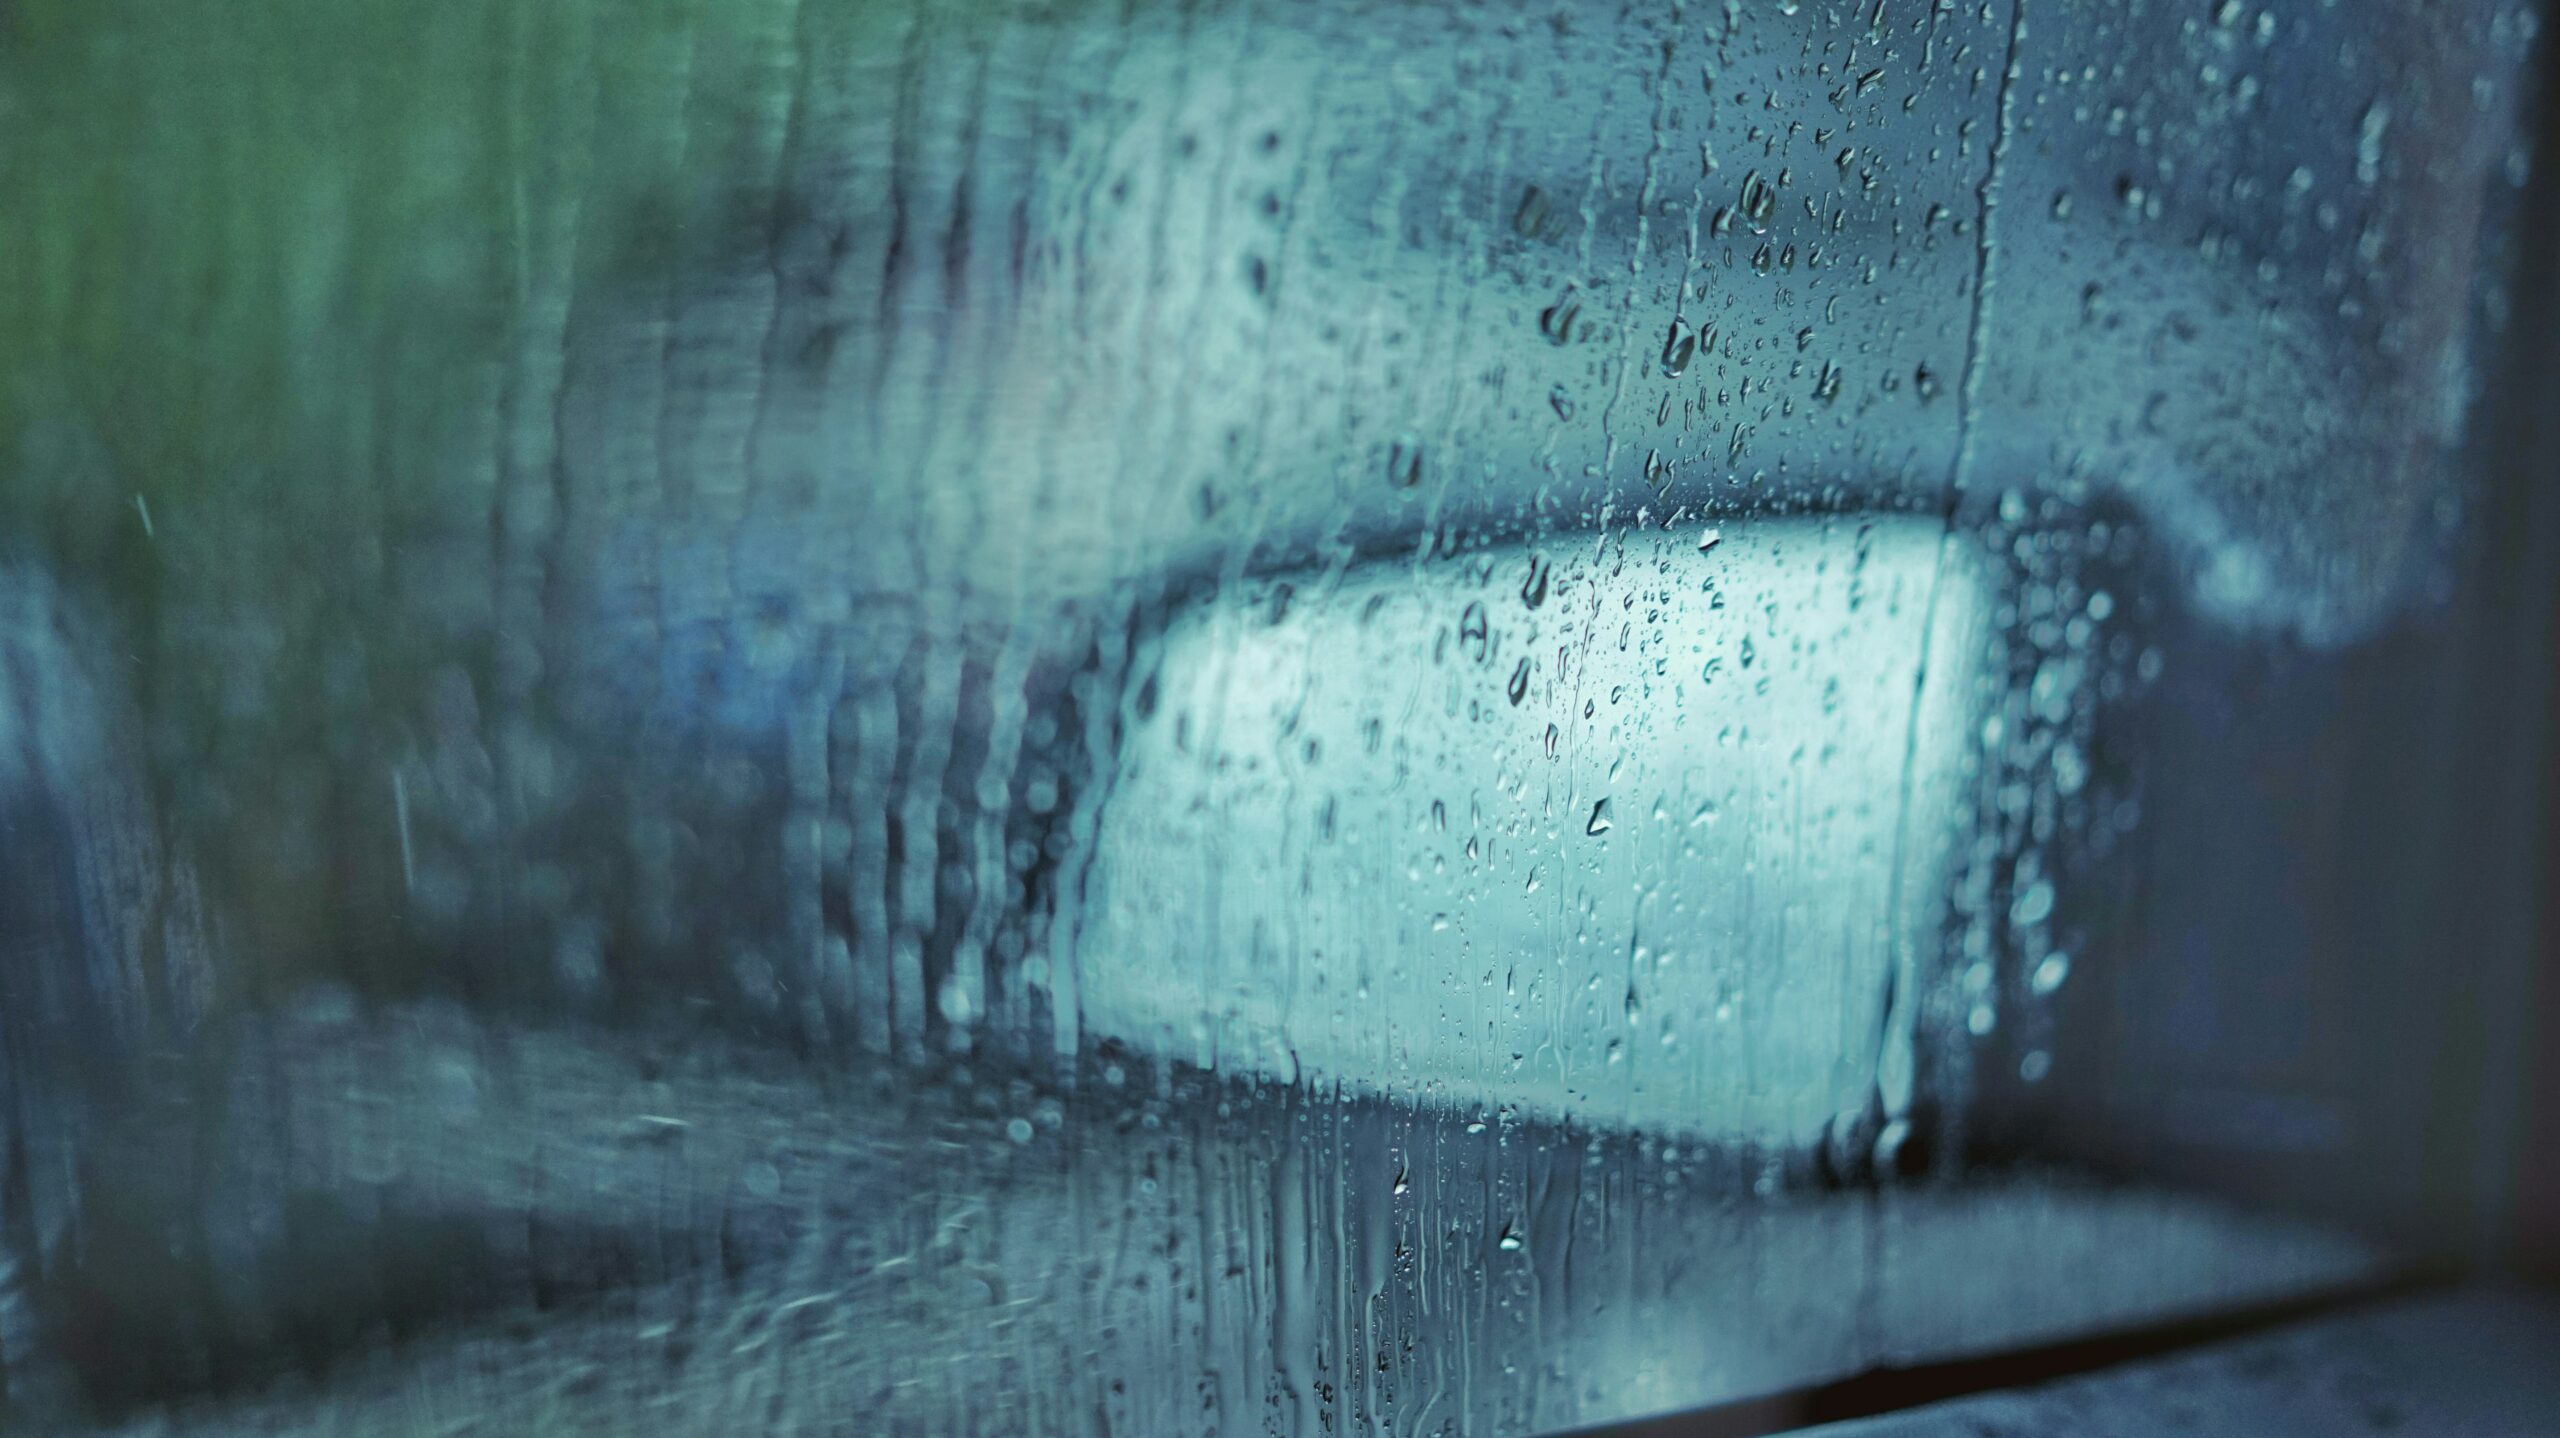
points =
(1628, 856)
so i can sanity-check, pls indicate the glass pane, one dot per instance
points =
(1203, 717)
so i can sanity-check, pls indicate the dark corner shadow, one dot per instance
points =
(1880, 1391)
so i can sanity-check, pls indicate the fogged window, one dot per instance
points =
(1229, 718)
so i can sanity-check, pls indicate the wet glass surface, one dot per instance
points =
(1222, 717)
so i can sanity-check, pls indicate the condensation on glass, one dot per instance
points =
(1222, 718)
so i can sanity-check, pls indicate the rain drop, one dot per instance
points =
(1677, 347)
(1556, 321)
(1531, 218)
(1404, 463)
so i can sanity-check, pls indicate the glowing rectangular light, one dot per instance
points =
(1631, 831)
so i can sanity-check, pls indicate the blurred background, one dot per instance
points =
(1200, 716)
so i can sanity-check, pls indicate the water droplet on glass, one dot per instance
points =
(1404, 463)
(1759, 200)
(1677, 347)
(1475, 631)
(1556, 321)
(2371, 129)
(2050, 973)
(2033, 906)
(1531, 218)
